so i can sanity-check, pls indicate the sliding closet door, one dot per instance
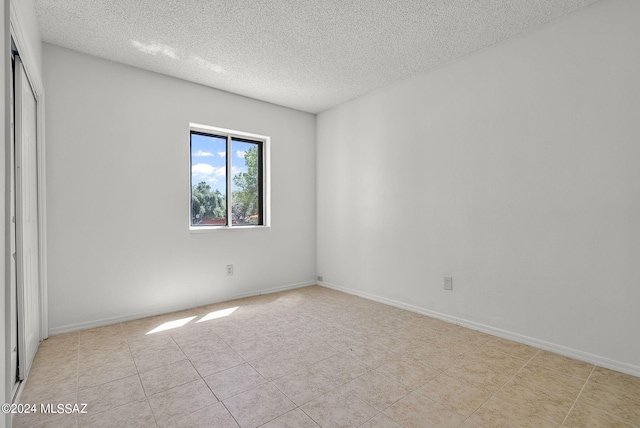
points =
(26, 221)
(12, 245)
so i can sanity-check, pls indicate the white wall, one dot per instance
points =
(118, 195)
(517, 171)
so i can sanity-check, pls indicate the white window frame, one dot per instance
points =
(266, 177)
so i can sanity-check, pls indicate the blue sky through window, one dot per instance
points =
(208, 160)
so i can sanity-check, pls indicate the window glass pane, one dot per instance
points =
(245, 184)
(208, 180)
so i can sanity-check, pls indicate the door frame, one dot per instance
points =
(28, 55)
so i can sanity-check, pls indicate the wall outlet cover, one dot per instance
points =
(448, 283)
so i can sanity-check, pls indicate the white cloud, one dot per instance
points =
(212, 174)
(206, 172)
(201, 153)
(221, 154)
(155, 48)
(241, 153)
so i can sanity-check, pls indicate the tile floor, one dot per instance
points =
(316, 357)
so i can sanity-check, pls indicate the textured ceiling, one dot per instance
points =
(305, 54)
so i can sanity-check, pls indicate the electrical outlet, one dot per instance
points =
(448, 283)
(229, 270)
(320, 278)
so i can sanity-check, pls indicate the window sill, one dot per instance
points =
(208, 229)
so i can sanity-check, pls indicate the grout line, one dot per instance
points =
(500, 389)
(229, 411)
(578, 396)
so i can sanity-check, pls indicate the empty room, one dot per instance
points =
(321, 214)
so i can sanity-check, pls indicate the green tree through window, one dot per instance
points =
(207, 206)
(246, 197)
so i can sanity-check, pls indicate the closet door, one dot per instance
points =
(12, 245)
(28, 284)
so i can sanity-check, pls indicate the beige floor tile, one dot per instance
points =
(60, 342)
(551, 382)
(376, 389)
(371, 356)
(209, 363)
(343, 342)
(167, 377)
(53, 362)
(396, 343)
(214, 416)
(450, 340)
(42, 420)
(586, 416)
(380, 421)
(258, 405)
(233, 381)
(254, 349)
(304, 385)
(497, 360)
(314, 345)
(55, 355)
(464, 397)
(407, 372)
(628, 384)
(439, 358)
(181, 400)
(477, 373)
(197, 341)
(341, 368)
(294, 341)
(473, 337)
(95, 351)
(565, 365)
(619, 403)
(135, 414)
(523, 402)
(293, 419)
(100, 338)
(95, 369)
(39, 416)
(154, 352)
(315, 353)
(493, 418)
(519, 350)
(43, 387)
(102, 374)
(237, 335)
(416, 410)
(279, 364)
(112, 394)
(339, 408)
(138, 329)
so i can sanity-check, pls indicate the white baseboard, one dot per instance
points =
(541, 344)
(168, 309)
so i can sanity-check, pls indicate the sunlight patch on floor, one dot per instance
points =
(218, 314)
(169, 325)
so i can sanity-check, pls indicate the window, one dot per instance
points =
(228, 178)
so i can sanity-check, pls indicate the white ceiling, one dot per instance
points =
(305, 54)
